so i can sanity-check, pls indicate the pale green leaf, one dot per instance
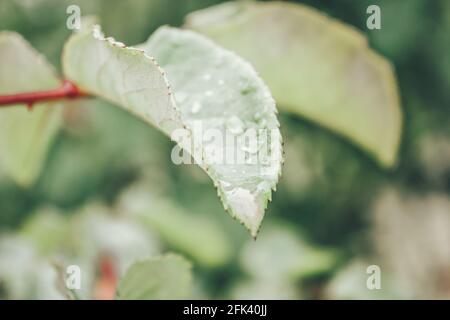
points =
(158, 278)
(123, 75)
(315, 66)
(199, 236)
(46, 229)
(214, 89)
(25, 137)
(281, 254)
(217, 90)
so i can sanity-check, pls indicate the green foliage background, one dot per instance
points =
(323, 218)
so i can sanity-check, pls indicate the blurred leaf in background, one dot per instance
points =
(277, 262)
(199, 236)
(25, 137)
(316, 67)
(159, 278)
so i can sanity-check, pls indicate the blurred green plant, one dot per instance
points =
(172, 282)
(316, 67)
(25, 137)
(103, 197)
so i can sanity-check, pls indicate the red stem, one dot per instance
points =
(66, 90)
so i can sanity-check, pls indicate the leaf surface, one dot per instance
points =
(217, 95)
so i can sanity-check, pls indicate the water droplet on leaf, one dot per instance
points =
(196, 107)
(235, 125)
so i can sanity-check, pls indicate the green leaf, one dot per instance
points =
(158, 278)
(25, 137)
(47, 229)
(199, 236)
(281, 254)
(122, 75)
(316, 67)
(214, 89)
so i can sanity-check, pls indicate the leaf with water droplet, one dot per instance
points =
(196, 107)
(123, 75)
(315, 66)
(25, 135)
(133, 80)
(235, 125)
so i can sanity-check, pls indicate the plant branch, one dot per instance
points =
(67, 90)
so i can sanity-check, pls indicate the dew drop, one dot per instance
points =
(235, 125)
(196, 107)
